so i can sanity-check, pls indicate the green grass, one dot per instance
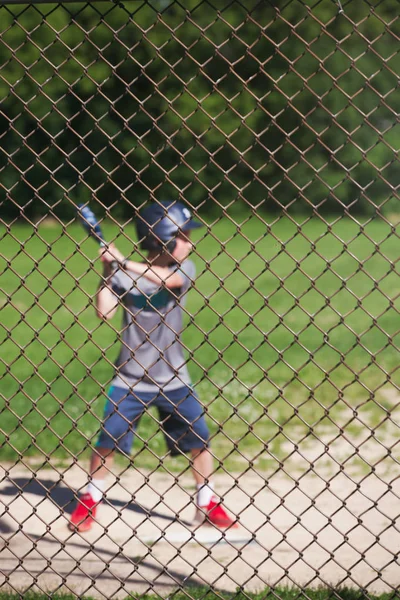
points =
(287, 331)
(204, 593)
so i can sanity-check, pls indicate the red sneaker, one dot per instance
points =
(215, 514)
(84, 514)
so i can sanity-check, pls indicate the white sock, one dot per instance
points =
(205, 492)
(96, 489)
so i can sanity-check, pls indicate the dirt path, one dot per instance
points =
(311, 532)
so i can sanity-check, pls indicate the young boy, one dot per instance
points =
(151, 367)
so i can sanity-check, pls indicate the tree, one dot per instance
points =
(292, 107)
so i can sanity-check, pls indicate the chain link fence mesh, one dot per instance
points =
(277, 125)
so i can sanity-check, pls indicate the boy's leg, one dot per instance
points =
(202, 465)
(186, 431)
(122, 412)
(85, 512)
(209, 508)
(202, 468)
(101, 462)
(101, 465)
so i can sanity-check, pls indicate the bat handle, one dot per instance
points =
(113, 264)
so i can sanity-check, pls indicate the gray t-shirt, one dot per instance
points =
(151, 355)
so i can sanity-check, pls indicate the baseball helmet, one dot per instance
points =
(159, 223)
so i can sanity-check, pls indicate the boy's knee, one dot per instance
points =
(116, 435)
(197, 437)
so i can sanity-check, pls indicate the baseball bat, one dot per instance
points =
(90, 223)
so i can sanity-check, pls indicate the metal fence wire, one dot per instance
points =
(277, 126)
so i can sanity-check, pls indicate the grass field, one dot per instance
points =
(293, 334)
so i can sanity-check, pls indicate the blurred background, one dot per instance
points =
(227, 105)
(279, 126)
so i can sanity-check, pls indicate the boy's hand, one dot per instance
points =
(182, 249)
(110, 253)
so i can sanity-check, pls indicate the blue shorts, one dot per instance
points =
(181, 419)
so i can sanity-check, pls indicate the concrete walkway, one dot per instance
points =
(307, 533)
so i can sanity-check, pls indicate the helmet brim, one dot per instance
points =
(192, 225)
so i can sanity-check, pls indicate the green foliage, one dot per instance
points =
(293, 108)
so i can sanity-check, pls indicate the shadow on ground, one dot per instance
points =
(64, 497)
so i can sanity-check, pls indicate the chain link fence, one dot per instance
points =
(277, 126)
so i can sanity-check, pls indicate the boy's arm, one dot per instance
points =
(106, 300)
(159, 275)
